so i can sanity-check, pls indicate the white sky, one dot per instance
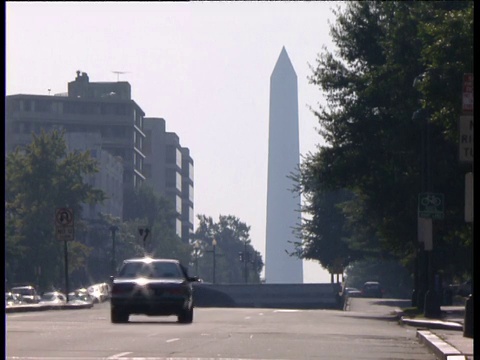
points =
(203, 66)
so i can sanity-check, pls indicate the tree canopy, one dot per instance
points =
(375, 152)
(236, 260)
(40, 178)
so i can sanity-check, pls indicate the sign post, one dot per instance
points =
(466, 155)
(64, 230)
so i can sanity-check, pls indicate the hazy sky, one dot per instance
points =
(203, 66)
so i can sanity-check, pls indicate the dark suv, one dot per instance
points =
(372, 289)
(152, 287)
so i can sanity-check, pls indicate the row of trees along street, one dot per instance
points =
(44, 176)
(362, 185)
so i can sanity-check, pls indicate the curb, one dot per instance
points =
(432, 324)
(441, 349)
(25, 308)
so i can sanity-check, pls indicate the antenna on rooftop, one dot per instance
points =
(120, 72)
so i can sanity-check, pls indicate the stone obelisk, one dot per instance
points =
(283, 205)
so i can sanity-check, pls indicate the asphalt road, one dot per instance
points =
(368, 332)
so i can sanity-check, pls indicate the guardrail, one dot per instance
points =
(299, 296)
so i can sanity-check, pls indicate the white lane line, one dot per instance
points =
(118, 356)
(172, 340)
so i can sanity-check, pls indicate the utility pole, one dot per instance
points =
(113, 230)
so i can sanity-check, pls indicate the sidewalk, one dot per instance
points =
(443, 336)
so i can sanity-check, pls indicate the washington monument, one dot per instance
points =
(283, 205)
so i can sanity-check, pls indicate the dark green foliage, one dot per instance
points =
(40, 178)
(373, 143)
(232, 237)
(394, 278)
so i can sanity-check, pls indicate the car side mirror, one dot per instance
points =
(111, 278)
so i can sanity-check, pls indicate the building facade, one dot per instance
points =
(114, 127)
(169, 171)
(102, 108)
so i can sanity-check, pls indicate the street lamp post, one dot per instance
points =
(144, 233)
(113, 230)
(214, 244)
(245, 260)
(426, 297)
(196, 247)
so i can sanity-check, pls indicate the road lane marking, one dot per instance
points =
(118, 356)
(172, 340)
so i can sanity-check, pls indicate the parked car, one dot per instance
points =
(372, 289)
(153, 287)
(28, 292)
(352, 292)
(13, 299)
(79, 297)
(53, 298)
(99, 292)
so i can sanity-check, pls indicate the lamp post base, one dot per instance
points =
(432, 305)
(468, 319)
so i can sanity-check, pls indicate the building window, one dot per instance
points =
(178, 226)
(190, 193)
(178, 158)
(178, 183)
(178, 204)
(190, 171)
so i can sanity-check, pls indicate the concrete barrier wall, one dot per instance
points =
(303, 296)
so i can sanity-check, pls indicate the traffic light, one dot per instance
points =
(240, 255)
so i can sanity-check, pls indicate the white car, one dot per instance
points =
(99, 292)
(53, 298)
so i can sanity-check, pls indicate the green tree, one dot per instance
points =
(40, 178)
(394, 277)
(373, 146)
(232, 238)
(147, 209)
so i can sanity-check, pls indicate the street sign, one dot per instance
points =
(465, 143)
(431, 206)
(467, 94)
(64, 224)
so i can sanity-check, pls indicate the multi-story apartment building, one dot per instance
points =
(169, 171)
(105, 108)
(102, 117)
